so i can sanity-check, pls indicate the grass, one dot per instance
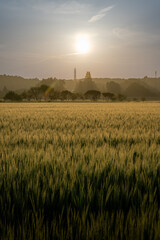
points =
(80, 171)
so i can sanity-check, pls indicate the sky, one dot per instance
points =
(38, 38)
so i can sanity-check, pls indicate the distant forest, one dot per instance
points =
(17, 89)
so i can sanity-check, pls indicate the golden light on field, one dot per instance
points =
(82, 44)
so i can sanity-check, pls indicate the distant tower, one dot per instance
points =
(75, 77)
(155, 74)
(88, 75)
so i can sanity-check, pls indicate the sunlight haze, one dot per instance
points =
(82, 44)
(121, 38)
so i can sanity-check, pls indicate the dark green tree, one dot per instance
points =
(34, 93)
(92, 94)
(121, 97)
(109, 96)
(24, 95)
(53, 95)
(43, 88)
(12, 96)
(66, 95)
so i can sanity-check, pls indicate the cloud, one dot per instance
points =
(100, 14)
(104, 10)
(96, 17)
(124, 33)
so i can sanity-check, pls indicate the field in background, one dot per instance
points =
(80, 171)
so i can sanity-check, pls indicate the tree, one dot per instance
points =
(43, 89)
(74, 96)
(137, 90)
(53, 95)
(93, 94)
(109, 96)
(143, 99)
(34, 93)
(79, 96)
(24, 95)
(85, 85)
(113, 87)
(66, 95)
(121, 97)
(12, 96)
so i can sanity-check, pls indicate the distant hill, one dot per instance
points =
(133, 87)
(48, 82)
(16, 82)
(138, 90)
(58, 85)
(85, 85)
(101, 83)
(152, 82)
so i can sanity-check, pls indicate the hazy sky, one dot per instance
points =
(38, 37)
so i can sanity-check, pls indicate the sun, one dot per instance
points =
(82, 44)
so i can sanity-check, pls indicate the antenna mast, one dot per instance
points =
(75, 77)
(155, 74)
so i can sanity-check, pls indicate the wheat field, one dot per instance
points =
(80, 171)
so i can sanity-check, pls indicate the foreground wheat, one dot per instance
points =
(80, 171)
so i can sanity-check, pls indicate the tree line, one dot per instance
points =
(47, 93)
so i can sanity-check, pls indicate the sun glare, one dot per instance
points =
(82, 44)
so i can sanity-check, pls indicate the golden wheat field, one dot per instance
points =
(80, 171)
